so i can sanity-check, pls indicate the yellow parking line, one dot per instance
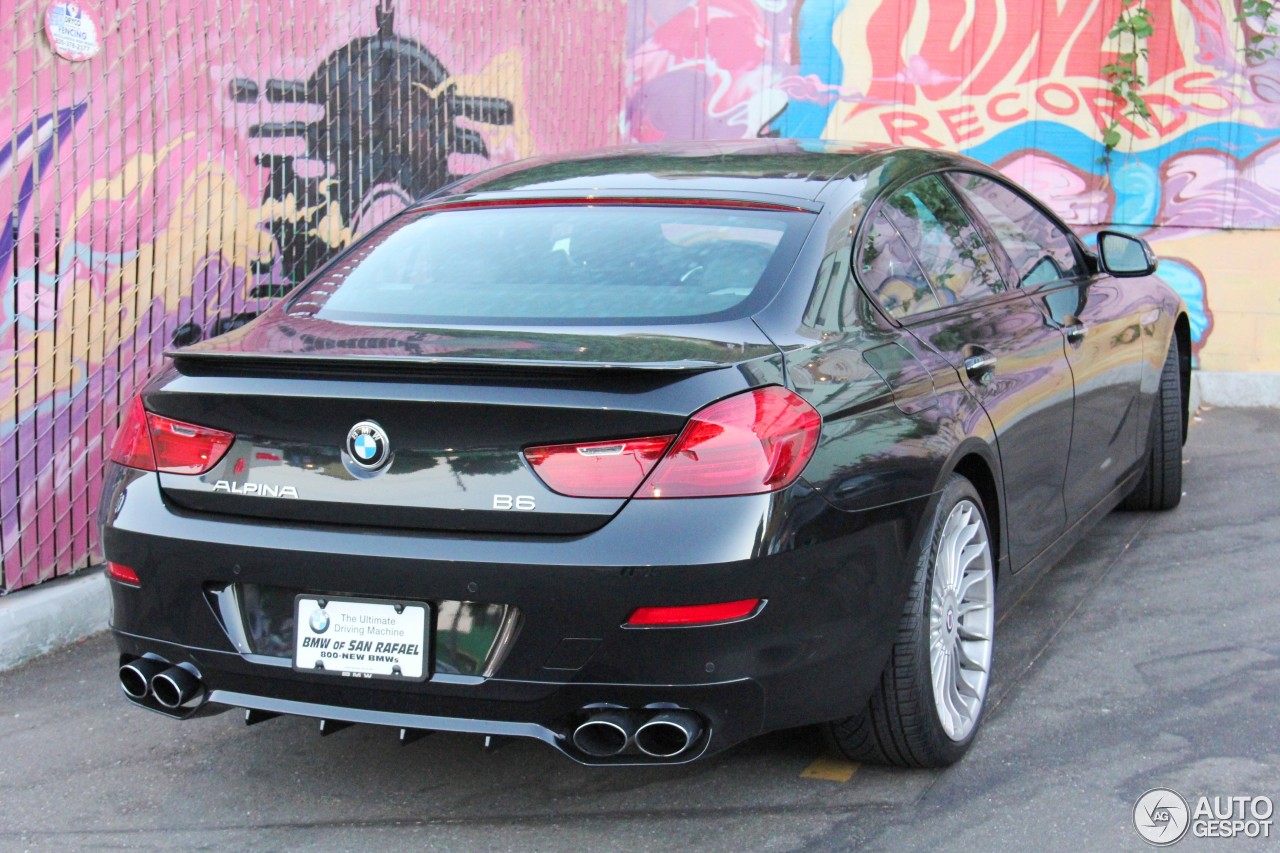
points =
(830, 768)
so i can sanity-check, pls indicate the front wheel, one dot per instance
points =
(927, 706)
(1161, 484)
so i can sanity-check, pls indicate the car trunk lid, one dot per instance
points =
(456, 408)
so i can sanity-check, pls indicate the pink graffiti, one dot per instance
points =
(918, 72)
(1204, 188)
(711, 69)
(810, 88)
(1078, 197)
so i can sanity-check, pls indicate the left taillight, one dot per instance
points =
(132, 445)
(151, 442)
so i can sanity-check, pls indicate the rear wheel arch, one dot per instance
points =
(1182, 334)
(926, 706)
(979, 470)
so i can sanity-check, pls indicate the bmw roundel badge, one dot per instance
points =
(368, 446)
(319, 621)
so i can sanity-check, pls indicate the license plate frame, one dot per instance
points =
(367, 637)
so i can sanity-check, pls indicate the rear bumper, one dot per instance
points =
(733, 710)
(834, 583)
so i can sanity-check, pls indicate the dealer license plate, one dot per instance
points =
(360, 637)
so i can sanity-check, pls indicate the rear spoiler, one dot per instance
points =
(320, 364)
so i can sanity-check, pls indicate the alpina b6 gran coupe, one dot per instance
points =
(646, 452)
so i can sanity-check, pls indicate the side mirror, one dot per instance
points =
(226, 324)
(186, 335)
(190, 333)
(1124, 255)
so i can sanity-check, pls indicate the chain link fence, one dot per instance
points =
(168, 168)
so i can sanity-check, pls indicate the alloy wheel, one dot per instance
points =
(961, 620)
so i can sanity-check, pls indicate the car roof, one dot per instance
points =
(790, 168)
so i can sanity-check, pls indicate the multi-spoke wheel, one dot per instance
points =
(961, 620)
(926, 708)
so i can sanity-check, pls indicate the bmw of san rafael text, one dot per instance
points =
(646, 452)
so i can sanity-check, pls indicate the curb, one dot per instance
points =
(52, 615)
(1231, 389)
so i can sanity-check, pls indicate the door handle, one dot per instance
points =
(1076, 332)
(980, 367)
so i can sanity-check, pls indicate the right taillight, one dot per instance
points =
(598, 469)
(757, 441)
(152, 442)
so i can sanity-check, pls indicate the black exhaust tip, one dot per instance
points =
(175, 687)
(605, 734)
(136, 676)
(668, 734)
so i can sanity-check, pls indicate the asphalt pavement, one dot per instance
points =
(1149, 657)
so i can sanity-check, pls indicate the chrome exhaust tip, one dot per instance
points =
(668, 734)
(175, 687)
(136, 675)
(605, 734)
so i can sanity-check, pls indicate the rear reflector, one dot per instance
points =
(124, 574)
(694, 614)
(599, 469)
(151, 442)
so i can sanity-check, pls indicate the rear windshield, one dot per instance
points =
(548, 264)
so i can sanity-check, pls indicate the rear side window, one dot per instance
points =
(950, 249)
(1038, 249)
(556, 263)
(890, 273)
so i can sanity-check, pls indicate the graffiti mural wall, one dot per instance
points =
(196, 159)
(168, 168)
(1019, 85)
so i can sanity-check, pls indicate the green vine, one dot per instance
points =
(1262, 45)
(1134, 26)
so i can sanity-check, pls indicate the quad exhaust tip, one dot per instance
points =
(605, 734)
(175, 687)
(136, 676)
(170, 686)
(611, 732)
(668, 734)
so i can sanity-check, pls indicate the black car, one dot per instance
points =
(646, 452)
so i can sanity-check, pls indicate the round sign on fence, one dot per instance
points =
(73, 31)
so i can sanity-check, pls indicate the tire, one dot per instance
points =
(1161, 484)
(905, 722)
